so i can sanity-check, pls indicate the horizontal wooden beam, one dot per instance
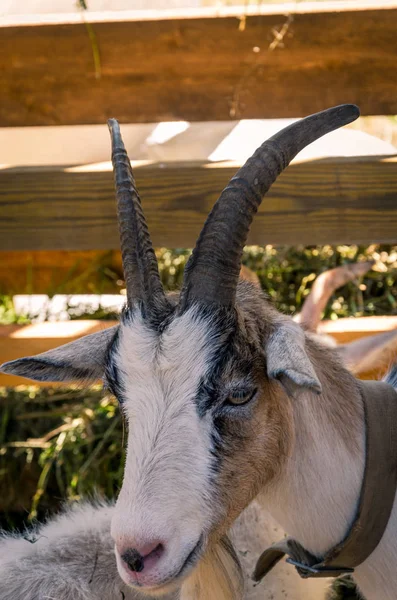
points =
(60, 272)
(200, 65)
(324, 201)
(376, 360)
(354, 328)
(17, 341)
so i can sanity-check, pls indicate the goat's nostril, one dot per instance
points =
(133, 559)
(137, 560)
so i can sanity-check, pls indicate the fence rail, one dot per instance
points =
(347, 200)
(200, 65)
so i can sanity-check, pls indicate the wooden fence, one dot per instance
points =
(203, 65)
(223, 64)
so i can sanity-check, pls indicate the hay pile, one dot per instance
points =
(56, 444)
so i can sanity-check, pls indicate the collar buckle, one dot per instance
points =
(305, 571)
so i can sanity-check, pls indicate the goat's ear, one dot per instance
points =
(287, 360)
(83, 359)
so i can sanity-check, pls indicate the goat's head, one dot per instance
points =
(204, 379)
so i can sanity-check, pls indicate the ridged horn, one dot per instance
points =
(139, 260)
(212, 272)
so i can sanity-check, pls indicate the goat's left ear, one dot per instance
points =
(83, 359)
(287, 360)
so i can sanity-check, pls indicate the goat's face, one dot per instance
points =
(206, 429)
(208, 422)
(208, 425)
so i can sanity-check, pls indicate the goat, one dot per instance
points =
(370, 353)
(226, 400)
(72, 558)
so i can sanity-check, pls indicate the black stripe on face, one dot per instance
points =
(235, 362)
(232, 359)
(112, 377)
(223, 326)
(208, 390)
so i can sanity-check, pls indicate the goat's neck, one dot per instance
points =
(316, 496)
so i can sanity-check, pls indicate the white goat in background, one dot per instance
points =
(369, 353)
(72, 558)
(226, 400)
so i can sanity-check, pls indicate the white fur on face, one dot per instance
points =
(165, 493)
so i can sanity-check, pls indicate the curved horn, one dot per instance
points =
(139, 260)
(212, 272)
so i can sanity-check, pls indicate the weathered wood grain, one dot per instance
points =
(330, 201)
(201, 67)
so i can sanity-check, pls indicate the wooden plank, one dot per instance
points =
(60, 272)
(200, 65)
(354, 328)
(324, 201)
(351, 329)
(26, 340)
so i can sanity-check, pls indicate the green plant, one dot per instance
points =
(56, 444)
(285, 273)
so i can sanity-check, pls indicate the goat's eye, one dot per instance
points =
(241, 397)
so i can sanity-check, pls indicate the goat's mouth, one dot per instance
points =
(191, 560)
(157, 586)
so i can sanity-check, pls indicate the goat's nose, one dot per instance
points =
(142, 557)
